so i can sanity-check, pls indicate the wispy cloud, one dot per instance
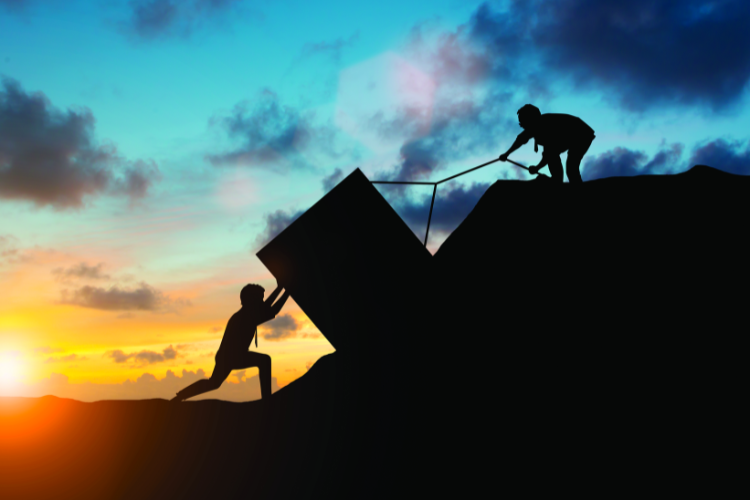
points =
(143, 357)
(272, 135)
(48, 350)
(151, 20)
(143, 298)
(81, 271)
(332, 49)
(66, 359)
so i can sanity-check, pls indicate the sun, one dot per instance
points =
(10, 371)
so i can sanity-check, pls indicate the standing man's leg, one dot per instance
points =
(219, 375)
(555, 169)
(573, 163)
(263, 362)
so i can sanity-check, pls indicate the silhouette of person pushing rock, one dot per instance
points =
(233, 352)
(557, 133)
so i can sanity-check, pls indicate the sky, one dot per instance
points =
(148, 149)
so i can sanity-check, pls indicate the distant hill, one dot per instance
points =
(564, 339)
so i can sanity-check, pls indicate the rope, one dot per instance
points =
(434, 192)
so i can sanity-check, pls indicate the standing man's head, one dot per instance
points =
(528, 115)
(252, 295)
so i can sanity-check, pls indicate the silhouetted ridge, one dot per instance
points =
(564, 338)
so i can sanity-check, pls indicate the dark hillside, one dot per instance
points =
(582, 339)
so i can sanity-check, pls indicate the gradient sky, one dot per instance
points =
(148, 148)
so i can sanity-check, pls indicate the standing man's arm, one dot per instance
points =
(542, 164)
(522, 139)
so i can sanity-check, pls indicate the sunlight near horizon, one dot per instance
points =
(10, 371)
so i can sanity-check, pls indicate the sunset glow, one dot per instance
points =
(146, 158)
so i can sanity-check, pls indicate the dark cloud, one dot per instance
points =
(729, 156)
(643, 52)
(82, 270)
(722, 154)
(159, 19)
(49, 157)
(142, 357)
(66, 359)
(48, 350)
(452, 205)
(283, 327)
(330, 181)
(118, 356)
(275, 223)
(271, 135)
(623, 162)
(143, 298)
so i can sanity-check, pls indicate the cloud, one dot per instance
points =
(331, 49)
(280, 328)
(729, 156)
(272, 135)
(159, 19)
(8, 247)
(137, 177)
(146, 386)
(143, 357)
(330, 181)
(464, 117)
(450, 209)
(643, 52)
(624, 162)
(66, 359)
(83, 271)
(48, 350)
(49, 157)
(276, 222)
(143, 298)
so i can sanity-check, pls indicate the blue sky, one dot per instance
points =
(166, 141)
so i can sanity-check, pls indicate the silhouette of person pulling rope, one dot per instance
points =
(557, 133)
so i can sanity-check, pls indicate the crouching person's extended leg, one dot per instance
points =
(220, 374)
(263, 362)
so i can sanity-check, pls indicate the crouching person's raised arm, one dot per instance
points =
(273, 310)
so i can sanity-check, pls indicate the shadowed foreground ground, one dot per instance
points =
(592, 345)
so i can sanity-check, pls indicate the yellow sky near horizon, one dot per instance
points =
(41, 337)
